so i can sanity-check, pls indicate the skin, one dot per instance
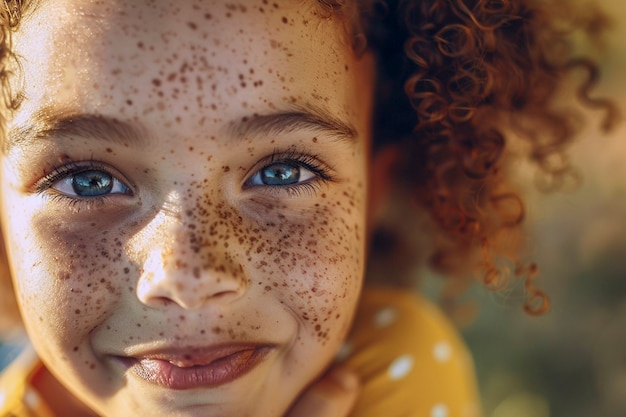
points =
(189, 248)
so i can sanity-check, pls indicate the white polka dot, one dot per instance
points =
(439, 410)
(344, 352)
(442, 351)
(31, 399)
(385, 317)
(400, 367)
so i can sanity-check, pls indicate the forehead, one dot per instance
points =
(74, 27)
(166, 24)
(106, 57)
(189, 10)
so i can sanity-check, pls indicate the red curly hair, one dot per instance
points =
(454, 78)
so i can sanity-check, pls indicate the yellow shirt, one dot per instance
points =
(411, 361)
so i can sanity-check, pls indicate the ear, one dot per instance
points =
(380, 177)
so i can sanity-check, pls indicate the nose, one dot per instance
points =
(189, 287)
(179, 271)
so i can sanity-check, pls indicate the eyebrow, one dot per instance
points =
(47, 124)
(299, 117)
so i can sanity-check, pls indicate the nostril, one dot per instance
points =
(225, 295)
(174, 286)
(165, 280)
(161, 302)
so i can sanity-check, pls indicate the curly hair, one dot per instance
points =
(10, 16)
(455, 78)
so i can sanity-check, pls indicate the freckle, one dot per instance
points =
(77, 311)
(156, 82)
(314, 140)
(192, 25)
(208, 16)
(75, 349)
(284, 19)
(140, 45)
(109, 150)
(129, 102)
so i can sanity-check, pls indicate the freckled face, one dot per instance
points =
(183, 180)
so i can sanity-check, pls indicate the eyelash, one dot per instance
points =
(322, 174)
(310, 162)
(73, 168)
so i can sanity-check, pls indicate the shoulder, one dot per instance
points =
(17, 397)
(411, 359)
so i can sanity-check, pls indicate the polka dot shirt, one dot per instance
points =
(411, 360)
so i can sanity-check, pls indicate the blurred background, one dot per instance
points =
(571, 362)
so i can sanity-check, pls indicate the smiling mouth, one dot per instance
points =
(182, 372)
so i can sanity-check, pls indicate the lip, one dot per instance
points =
(209, 367)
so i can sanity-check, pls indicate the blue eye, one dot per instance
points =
(281, 173)
(90, 183)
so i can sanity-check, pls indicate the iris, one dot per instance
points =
(280, 174)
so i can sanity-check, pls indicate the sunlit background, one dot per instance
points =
(572, 362)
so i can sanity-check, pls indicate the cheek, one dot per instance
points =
(69, 278)
(316, 266)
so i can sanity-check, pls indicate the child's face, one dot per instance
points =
(186, 181)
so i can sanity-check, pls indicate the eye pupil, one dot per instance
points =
(280, 174)
(92, 183)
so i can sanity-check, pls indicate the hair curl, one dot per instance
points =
(11, 13)
(455, 78)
